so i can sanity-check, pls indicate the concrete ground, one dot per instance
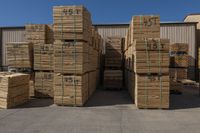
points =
(105, 112)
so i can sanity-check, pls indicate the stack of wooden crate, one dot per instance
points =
(14, 89)
(41, 36)
(113, 74)
(147, 63)
(179, 63)
(75, 56)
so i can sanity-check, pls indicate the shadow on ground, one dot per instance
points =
(36, 103)
(109, 97)
(190, 98)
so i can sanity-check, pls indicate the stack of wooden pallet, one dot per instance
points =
(41, 35)
(147, 63)
(179, 63)
(19, 54)
(75, 58)
(113, 74)
(14, 89)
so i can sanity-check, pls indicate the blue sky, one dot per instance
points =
(20, 12)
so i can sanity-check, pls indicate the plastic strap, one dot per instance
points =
(148, 74)
(62, 59)
(74, 45)
(160, 73)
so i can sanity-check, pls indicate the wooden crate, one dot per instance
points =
(178, 73)
(36, 33)
(113, 79)
(144, 27)
(19, 54)
(14, 89)
(71, 57)
(181, 60)
(152, 91)
(44, 84)
(43, 57)
(179, 47)
(70, 90)
(151, 56)
(72, 22)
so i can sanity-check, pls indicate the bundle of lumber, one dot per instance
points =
(44, 84)
(152, 91)
(179, 60)
(144, 27)
(179, 47)
(43, 57)
(36, 33)
(178, 74)
(71, 57)
(71, 22)
(151, 56)
(70, 90)
(113, 79)
(113, 55)
(19, 54)
(14, 89)
(92, 82)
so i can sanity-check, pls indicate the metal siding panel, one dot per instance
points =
(11, 35)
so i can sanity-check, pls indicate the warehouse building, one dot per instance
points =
(177, 32)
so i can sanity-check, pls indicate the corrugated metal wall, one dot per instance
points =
(11, 35)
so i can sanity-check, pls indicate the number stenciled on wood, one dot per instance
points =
(148, 22)
(153, 78)
(70, 80)
(71, 11)
(154, 45)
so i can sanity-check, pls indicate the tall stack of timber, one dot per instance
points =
(147, 63)
(14, 89)
(113, 74)
(179, 63)
(41, 36)
(74, 55)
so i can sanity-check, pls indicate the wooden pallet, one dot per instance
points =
(19, 54)
(14, 89)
